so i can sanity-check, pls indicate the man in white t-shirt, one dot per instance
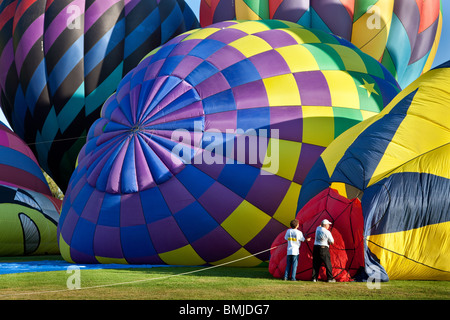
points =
(321, 252)
(294, 238)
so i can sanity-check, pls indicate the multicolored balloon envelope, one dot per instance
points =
(60, 61)
(18, 165)
(28, 212)
(200, 154)
(402, 34)
(347, 252)
(28, 221)
(399, 161)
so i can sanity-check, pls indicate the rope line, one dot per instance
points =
(55, 140)
(138, 281)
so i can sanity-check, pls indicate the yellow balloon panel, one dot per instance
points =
(418, 254)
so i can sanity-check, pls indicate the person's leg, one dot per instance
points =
(317, 261)
(327, 261)
(288, 266)
(294, 267)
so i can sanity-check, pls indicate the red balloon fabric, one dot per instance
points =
(347, 252)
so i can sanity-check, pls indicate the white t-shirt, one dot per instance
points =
(323, 237)
(294, 238)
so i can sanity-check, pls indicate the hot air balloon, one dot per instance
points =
(28, 221)
(18, 165)
(61, 60)
(347, 252)
(199, 156)
(398, 162)
(28, 212)
(403, 35)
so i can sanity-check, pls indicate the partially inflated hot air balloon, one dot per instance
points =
(60, 61)
(28, 212)
(402, 34)
(347, 252)
(399, 162)
(200, 154)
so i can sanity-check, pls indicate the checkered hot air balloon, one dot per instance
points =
(402, 34)
(399, 161)
(200, 154)
(60, 61)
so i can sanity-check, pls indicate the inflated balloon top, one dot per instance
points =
(60, 61)
(399, 163)
(402, 34)
(200, 154)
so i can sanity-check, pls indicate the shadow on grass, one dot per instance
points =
(259, 272)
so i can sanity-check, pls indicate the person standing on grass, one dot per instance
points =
(294, 238)
(321, 251)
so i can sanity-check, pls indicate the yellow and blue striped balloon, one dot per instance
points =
(399, 161)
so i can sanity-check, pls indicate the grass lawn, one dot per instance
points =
(202, 283)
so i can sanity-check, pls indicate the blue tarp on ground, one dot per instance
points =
(60, 265)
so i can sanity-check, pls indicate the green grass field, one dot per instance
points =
(202, 283)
